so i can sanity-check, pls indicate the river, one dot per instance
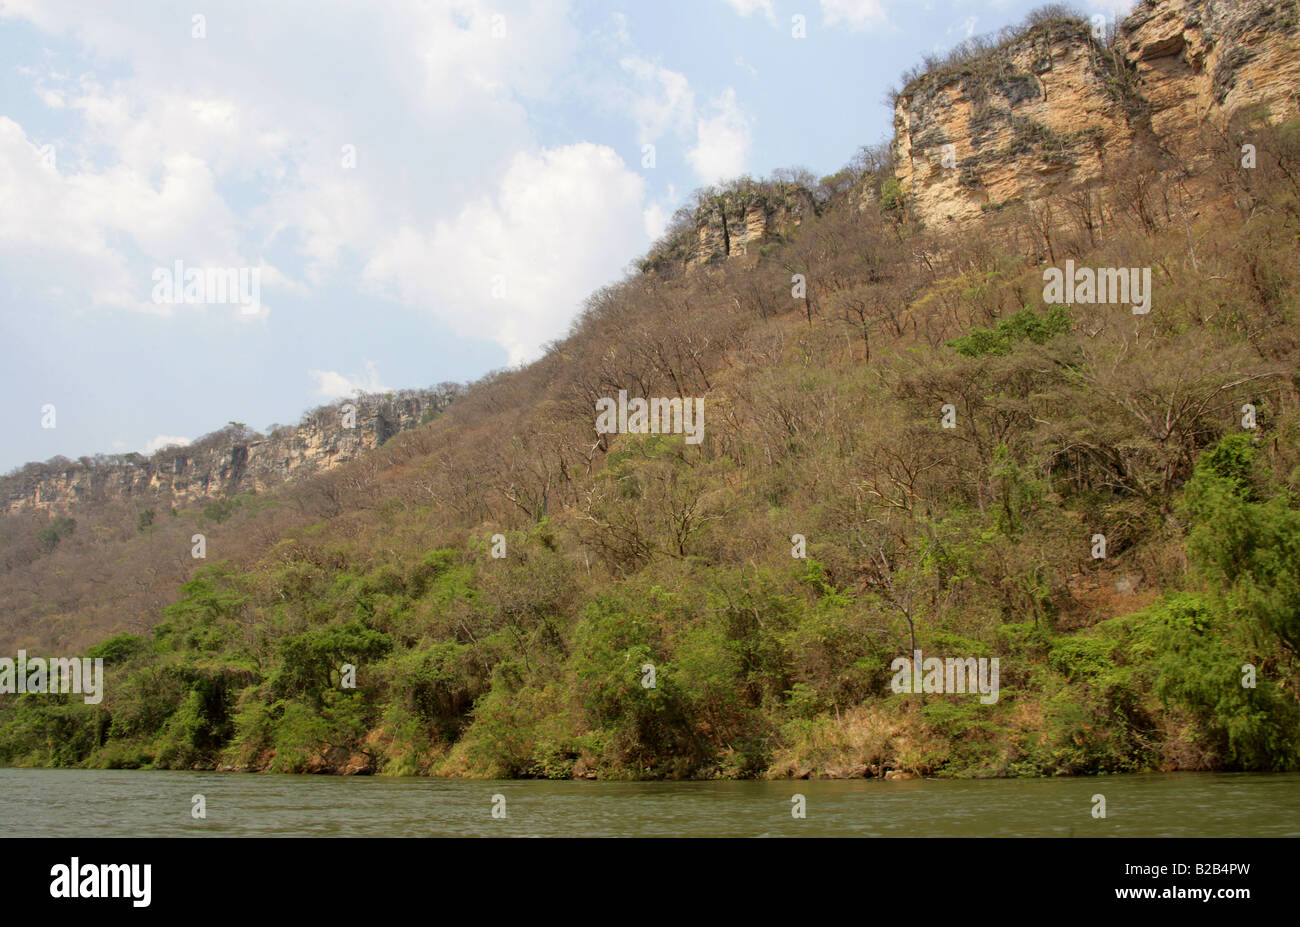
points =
(140, 803)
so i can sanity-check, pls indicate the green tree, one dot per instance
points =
(1249, 550)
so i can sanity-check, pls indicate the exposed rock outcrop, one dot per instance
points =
(230, 461)
(1044, 111)
(1051, 106)
(1196, 59)
(733, 222)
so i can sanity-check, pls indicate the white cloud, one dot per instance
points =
(1119, 8)
(724, 139)
(161, 441)
(621, 34)
(855, 14)
(560, 224)
(746, 7)
(657, 215)
(661, 100)
(185, 155)
(334, 385)
(330, 211)
(217, 152)
(67, 227)
(966, 27)
(50, 223)
(655, 219)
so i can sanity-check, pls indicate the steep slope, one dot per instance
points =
(919, 452)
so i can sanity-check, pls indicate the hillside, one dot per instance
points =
(906, 446)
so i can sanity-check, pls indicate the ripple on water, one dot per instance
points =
(70, 802)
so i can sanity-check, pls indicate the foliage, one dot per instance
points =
(648, 618)
(1025, 325)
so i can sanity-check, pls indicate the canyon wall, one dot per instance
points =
(735, 223)
(233, 460)
(1044, 111)
(732, 222)
(1054, 105)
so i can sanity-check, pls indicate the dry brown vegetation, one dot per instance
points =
(822, 419)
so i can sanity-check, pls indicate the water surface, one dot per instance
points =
(141, 803)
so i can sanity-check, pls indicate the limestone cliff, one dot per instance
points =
(1050, 106)
(732, 222)
(229, 461)
(1045, 110)
(1196, 59)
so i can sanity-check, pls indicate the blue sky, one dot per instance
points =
(494, 178)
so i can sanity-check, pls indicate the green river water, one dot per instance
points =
(72, 802)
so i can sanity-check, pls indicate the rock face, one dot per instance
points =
(732, 222)
(1016, 123)
(1048, 109)
(1199, 58)
(227, 462)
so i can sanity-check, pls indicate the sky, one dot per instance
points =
(423, 190)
